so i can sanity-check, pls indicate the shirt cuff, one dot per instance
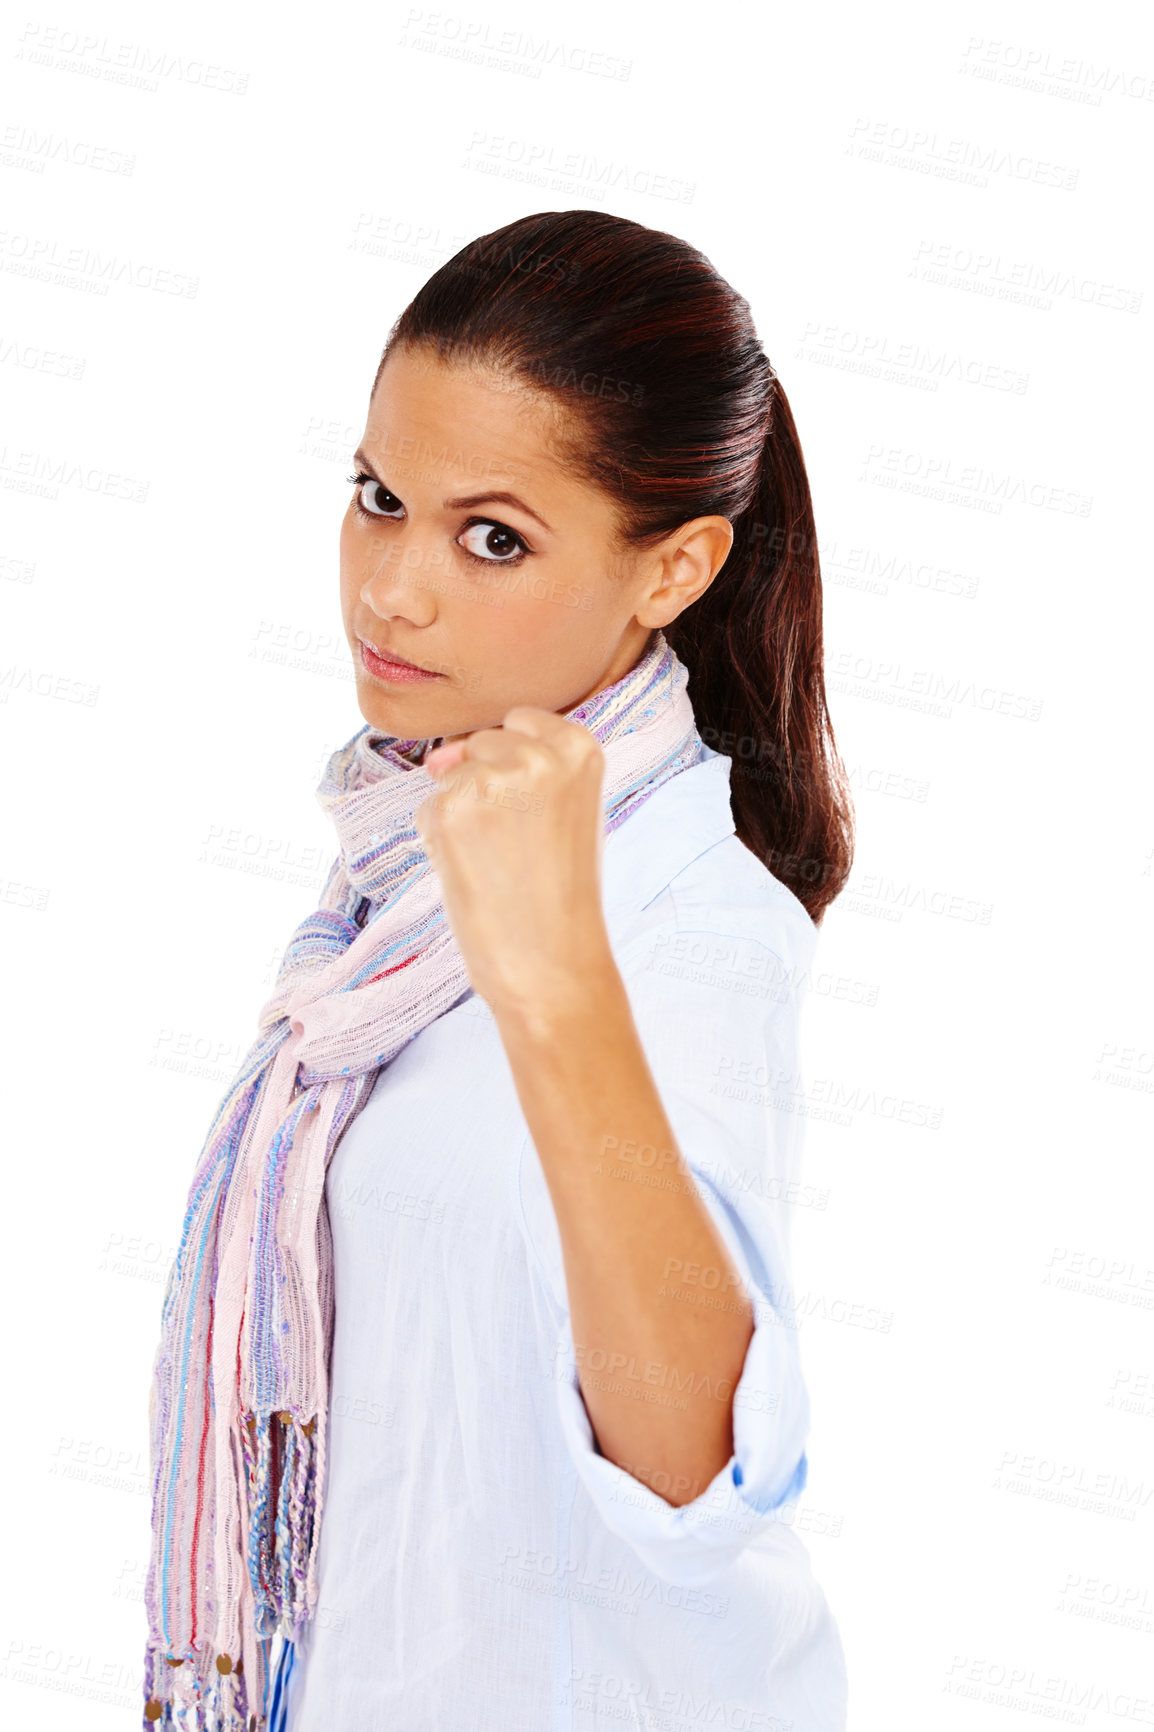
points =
(767, 1470)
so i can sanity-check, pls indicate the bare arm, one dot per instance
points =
(657, 1375)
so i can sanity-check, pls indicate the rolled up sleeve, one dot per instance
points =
(725, 1064)
(767, 1470)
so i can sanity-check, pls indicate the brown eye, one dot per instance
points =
(374, 497)
(491, 541)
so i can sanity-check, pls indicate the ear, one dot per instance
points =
(684, 567)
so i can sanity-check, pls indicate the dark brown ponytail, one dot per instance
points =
(680, 415)
(753, 643)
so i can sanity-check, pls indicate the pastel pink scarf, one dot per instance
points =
(239, 1400)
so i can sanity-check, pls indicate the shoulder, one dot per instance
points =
(717, 968)
(723, 921)
(728, 890)
(677, 867)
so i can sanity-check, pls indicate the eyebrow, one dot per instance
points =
(467, 501)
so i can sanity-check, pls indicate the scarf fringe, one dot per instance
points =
(196, 1696)
(206, 1700)
(281, 1458)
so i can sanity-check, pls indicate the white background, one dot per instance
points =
(935, 216)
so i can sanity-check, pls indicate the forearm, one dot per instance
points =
(657, 1374)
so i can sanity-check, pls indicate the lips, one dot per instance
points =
(388, 656)
(392, 669)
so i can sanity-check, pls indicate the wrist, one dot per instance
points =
(546, 998)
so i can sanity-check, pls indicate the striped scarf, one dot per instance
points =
(238, 1408)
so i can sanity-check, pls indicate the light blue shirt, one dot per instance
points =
(482, 1567)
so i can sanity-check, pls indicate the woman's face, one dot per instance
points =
(471, 550)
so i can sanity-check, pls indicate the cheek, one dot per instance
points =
(545, 632)
(349, 564)
(566, 607)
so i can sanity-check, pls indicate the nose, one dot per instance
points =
(397, 580)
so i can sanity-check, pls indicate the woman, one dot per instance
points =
(478, 1405)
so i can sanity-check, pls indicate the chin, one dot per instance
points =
(399, 716)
